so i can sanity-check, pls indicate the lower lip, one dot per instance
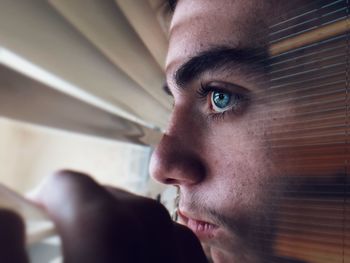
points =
(203, 230)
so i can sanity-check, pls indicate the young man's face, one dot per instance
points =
(217, 147)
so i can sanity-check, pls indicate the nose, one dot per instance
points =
(177, 159)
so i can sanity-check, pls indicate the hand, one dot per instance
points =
(103, 224)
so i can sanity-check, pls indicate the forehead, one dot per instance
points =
(199, 25)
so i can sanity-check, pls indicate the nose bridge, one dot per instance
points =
(180, 123)
(177, 160)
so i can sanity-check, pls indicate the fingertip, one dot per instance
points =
(65, 185)
(70, 178)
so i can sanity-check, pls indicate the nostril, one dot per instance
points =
(170, 181)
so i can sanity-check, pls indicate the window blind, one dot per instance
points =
(309, 70)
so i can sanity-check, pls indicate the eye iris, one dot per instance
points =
(221, 99)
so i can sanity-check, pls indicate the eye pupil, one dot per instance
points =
(221, 99)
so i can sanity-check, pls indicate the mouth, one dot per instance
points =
(203, 230)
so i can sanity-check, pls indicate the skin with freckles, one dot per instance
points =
(223, 161)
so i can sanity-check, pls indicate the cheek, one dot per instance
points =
(240, 165)
(243, 164)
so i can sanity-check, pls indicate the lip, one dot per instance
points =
(203, 229)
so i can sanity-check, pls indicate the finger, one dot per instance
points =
(188, 246)
(12, 238)
(69, 188)
(84, 216)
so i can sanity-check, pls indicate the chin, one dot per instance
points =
(228, 247)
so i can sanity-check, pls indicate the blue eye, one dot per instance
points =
(221, 101)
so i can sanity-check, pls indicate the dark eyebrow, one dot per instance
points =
(219, 58)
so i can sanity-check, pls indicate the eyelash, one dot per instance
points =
(205, 90)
